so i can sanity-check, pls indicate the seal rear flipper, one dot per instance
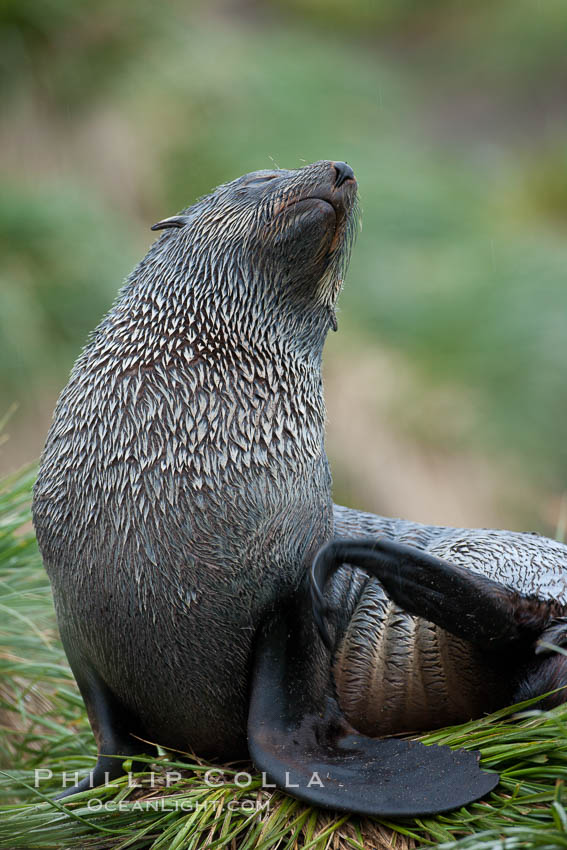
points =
(319, 759)
(467, 604)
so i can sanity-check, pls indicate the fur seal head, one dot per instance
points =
(275, 243)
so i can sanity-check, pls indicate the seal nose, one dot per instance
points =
(343, 173)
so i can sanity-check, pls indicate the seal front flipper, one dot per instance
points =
(112, 726)
(311, 752)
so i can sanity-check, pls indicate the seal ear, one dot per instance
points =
(313, 754)
(172, 221)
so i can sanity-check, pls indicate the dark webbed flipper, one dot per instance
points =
(464, 603)
(112, 727)
(316, 757)
(521, 631)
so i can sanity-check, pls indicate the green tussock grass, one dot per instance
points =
(44, 725)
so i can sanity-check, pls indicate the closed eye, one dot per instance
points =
(263, 178)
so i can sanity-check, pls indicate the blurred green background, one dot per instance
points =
(447, 384)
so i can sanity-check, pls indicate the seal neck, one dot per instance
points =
(212, 301)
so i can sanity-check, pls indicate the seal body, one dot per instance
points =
(184, 487)
(184, 493)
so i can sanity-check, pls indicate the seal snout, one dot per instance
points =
(343, 172)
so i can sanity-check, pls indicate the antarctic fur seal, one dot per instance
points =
(184, 493)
